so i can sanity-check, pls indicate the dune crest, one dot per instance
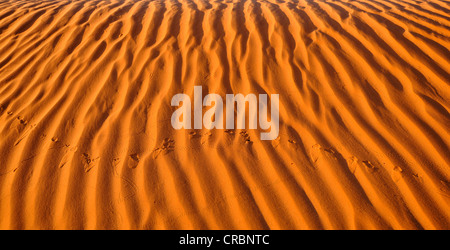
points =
(85, 115)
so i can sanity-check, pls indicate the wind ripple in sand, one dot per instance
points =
(86, 141)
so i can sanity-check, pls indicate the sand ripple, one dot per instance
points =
(86, 141)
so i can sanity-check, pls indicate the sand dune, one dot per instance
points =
(86, 140)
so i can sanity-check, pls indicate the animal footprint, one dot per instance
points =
(331, 153)
(65, 158)
(319, 154)
(369, 166)
(22, 125)
(25, 132)
(246, 137)
(88, 162)
(206, 136)
(194, 134)
(397, 173)
(229, 131)
(352, 163)
(168, 145)
(133, 161)
(22, 120)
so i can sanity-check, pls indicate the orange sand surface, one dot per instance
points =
(86, 140)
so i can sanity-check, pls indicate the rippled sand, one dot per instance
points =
(86, 140)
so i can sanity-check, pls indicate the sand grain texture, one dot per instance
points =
(86, 140)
